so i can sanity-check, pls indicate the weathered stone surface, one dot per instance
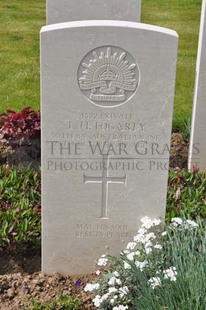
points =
(197, 152)
(107, 100)
(59, 11)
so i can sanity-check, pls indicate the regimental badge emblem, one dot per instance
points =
(108, 76)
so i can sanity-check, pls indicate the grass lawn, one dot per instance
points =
(19, 50)
(184, 17)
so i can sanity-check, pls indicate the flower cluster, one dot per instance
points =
(102, 261)
(90, 287)
(154, 282)
(183, 224)
(144, 240)
(143, 258)
(170, 273)
(115, 292)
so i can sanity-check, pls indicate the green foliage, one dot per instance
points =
(149, 276)
(183, 126)
(184, 249)
(186, 194)
(61, 302)
(20, 201)
(19, 206)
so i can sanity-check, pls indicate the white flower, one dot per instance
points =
(139, 238)
(123, 291)
(126, 266)
(116, 274)
(125, 252)
(148, 250)
(164, 233)
(112, 281)
(120, 307)
(176, 221)
(156, 222)
(142, 231)
(112, 290)
(131, 245)
(104, 297)
(130, 256)
(150, 235)
(191, 223)
(97, 301)
(102, 261)
(90, 287)
(158, 246)
(148, 244)
(170, 273)
(118, 281)
(98, 272)
(141, 265)
(154, 282)
(186, 224)
(147, 222)
(144, 238)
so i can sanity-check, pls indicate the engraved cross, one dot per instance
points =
(104, 180)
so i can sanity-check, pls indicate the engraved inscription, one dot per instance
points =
(83, 127)
(108, 76)
(102, 231)
(104, 180)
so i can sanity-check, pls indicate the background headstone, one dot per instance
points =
(197, 152)
(106, 125)
(59, 11)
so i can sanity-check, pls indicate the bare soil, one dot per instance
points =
(20, 273)
(178, 151)
(21, 281)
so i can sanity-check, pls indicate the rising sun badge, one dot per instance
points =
(108, 76)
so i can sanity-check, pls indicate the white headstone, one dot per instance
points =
(197, 152)
(59, 11)
(106, 123)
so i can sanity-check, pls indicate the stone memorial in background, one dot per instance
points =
(59, 11)
(197, 151)
(107, 108)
